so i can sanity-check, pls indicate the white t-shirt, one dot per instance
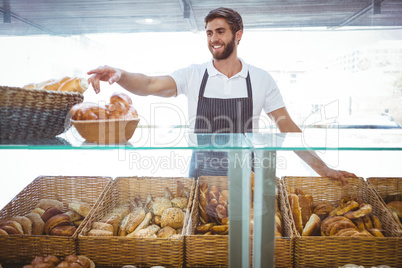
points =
(266, 94)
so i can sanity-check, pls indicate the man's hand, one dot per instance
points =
(103, 73)
(339, 175)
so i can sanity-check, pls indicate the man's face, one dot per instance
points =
(221, 41)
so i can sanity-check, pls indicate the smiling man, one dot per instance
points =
(225, 95)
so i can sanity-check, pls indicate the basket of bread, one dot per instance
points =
(338, 225)
(140, 221)
(39, 110)
(47, 215)
(389, 190)
(112, 123)
(208, 229)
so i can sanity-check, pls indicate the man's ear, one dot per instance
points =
(239, 35)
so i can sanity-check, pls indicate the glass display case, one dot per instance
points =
(163, 152)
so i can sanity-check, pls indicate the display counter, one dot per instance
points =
(169, 153)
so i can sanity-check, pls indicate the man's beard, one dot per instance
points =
(226, 52)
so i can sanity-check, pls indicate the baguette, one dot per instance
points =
(296, 212)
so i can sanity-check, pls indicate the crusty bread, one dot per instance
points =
(306, 207)
(38, 225)
(48, 203)
(25, 222)
(80, 207)
(296, 212)
(97, 232)
(312, 226)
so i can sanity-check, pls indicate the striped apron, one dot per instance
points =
(219, 116)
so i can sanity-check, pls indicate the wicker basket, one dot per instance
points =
(141, 252)
(34, 114)
(318, 251)
(212, 250)
(384, 186)
(18, 248)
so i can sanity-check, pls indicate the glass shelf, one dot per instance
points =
(168, 138)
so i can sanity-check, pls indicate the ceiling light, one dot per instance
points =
(148, 21)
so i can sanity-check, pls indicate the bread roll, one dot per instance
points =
(160, 204)
(173, 217)
(50, 212)
(213, 192)
(57, 220)
(180, 202)
(64, 230)
(166, 232)
(220, 229)
(296, 212)
(102, 226)
(339, 225)
(97, 232)
(142, 225)
(138, 216)
(376, 222)
(3, 232)
(55, 84)
(74, 216)
(203, 202)
(306, 207)
(74, 85)
(48, 203)
(364, 210)
(168, 193)
(312, 226)
(9, 229)
(80, 207)
(396, 206)
(204, 228)
(148, 231)
(38, 211)
(38, 225)
(322, 209)
(349, 206)
(180, 189)
(16, 225)
(25, 222)
(121, 106)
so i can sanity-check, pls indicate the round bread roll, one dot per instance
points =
(51, 259)
(25, 222)
(48, 203)
(16, 225)
(84, 261)
(9, 229)
(161, 204)
(166, 232)
(173, 217)
(50, 212)
(3, 232)
(57, 220)
(74, 85)
(180, 202)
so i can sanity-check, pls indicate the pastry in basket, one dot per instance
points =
(159, 217)
(120, 107)
(64, 84)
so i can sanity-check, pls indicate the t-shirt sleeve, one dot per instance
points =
(181, 77)
(273, 97)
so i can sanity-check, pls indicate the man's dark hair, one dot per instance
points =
(231, 16)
